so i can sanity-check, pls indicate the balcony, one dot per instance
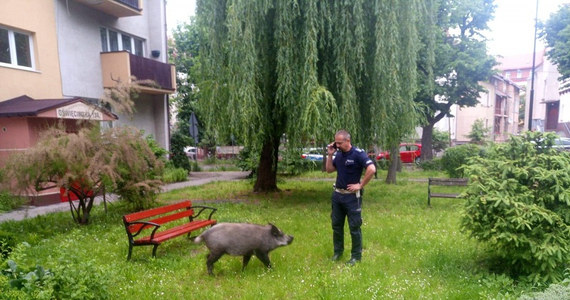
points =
(122, 65)
(117, 8)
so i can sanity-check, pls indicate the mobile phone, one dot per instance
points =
(334, 146)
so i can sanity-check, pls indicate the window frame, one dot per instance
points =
(120, 47)
(14, 53)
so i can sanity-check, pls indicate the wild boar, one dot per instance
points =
(242, 239)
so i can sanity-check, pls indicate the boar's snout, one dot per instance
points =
(285, 240)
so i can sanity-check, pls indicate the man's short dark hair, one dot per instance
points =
(343, 133)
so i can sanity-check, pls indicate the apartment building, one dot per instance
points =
(58, 56)
(549, 112)
(498, 108)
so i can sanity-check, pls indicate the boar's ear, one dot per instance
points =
(274, 230)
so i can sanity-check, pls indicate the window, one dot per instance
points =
(16, 48)
(104, 44)
(507, 75)
(116, 41)
(519, 74)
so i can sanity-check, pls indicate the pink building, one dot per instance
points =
(549, 113)
(498, 108)
(23, 118)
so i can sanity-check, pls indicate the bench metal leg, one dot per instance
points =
(154, 250)
(130, 251)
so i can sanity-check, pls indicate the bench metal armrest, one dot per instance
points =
(203, 208)
(156, 226)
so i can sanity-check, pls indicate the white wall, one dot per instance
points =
(79, 45)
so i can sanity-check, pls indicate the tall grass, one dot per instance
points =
(410, 251)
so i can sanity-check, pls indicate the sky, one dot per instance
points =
(511, 31)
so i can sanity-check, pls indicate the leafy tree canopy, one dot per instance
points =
(461, 62)
(304, 69)
(556, 33)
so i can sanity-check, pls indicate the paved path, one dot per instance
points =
(195, 178)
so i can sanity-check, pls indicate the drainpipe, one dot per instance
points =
(532, 74)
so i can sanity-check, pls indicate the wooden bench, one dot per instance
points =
(444, 182)
(138, 222)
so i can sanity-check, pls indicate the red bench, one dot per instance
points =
(156, 218)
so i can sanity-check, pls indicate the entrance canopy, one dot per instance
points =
(74, 108)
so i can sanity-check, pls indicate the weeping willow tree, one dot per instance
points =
(303, 69)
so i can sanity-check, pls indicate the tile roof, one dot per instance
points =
(25, 106)
(519, 61)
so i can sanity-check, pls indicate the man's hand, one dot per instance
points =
(331, 149)
(354, 187)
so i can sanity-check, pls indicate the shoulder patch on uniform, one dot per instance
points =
(358, 149)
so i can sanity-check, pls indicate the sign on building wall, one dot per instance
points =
(79, 111)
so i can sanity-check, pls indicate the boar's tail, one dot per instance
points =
(198, 239)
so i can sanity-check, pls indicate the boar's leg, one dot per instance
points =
(246, 259)
(264, 257)
(212, 258)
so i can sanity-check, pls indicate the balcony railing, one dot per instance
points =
(122, 66)
(132, 3)
(148, 69)
(117, 8)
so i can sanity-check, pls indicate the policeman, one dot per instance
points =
(349, 163)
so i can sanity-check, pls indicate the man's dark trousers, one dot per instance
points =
(347, 205)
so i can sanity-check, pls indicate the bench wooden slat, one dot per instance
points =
(442, 195)
(445, 182)
(162, 236)
(448, 181)
(137, 222)
(162, 220)
(156, 211)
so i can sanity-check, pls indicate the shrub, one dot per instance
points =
(9, 202)
(159, 152)
(518, 202)
(432, 165)
(174, 175)
(457, 156)
(383, 164)
(195, 166)
(440, 140)
(248, 159)
(66, 281)
(292, 163)
(89, 162)
(7, 243)
(177, 143)
(554, 291)
(479, 132)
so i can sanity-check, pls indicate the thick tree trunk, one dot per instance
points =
(427, 134)
(267, 170)
(427, 143)
(395, 165)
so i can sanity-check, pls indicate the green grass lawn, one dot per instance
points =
(410, 251)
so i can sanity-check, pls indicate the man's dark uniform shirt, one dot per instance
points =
(349, 166)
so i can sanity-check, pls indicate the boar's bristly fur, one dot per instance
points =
(242, 239)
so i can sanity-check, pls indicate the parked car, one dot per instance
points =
(190, 152)
(409, 153)
(313, 154)
(562, 144)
